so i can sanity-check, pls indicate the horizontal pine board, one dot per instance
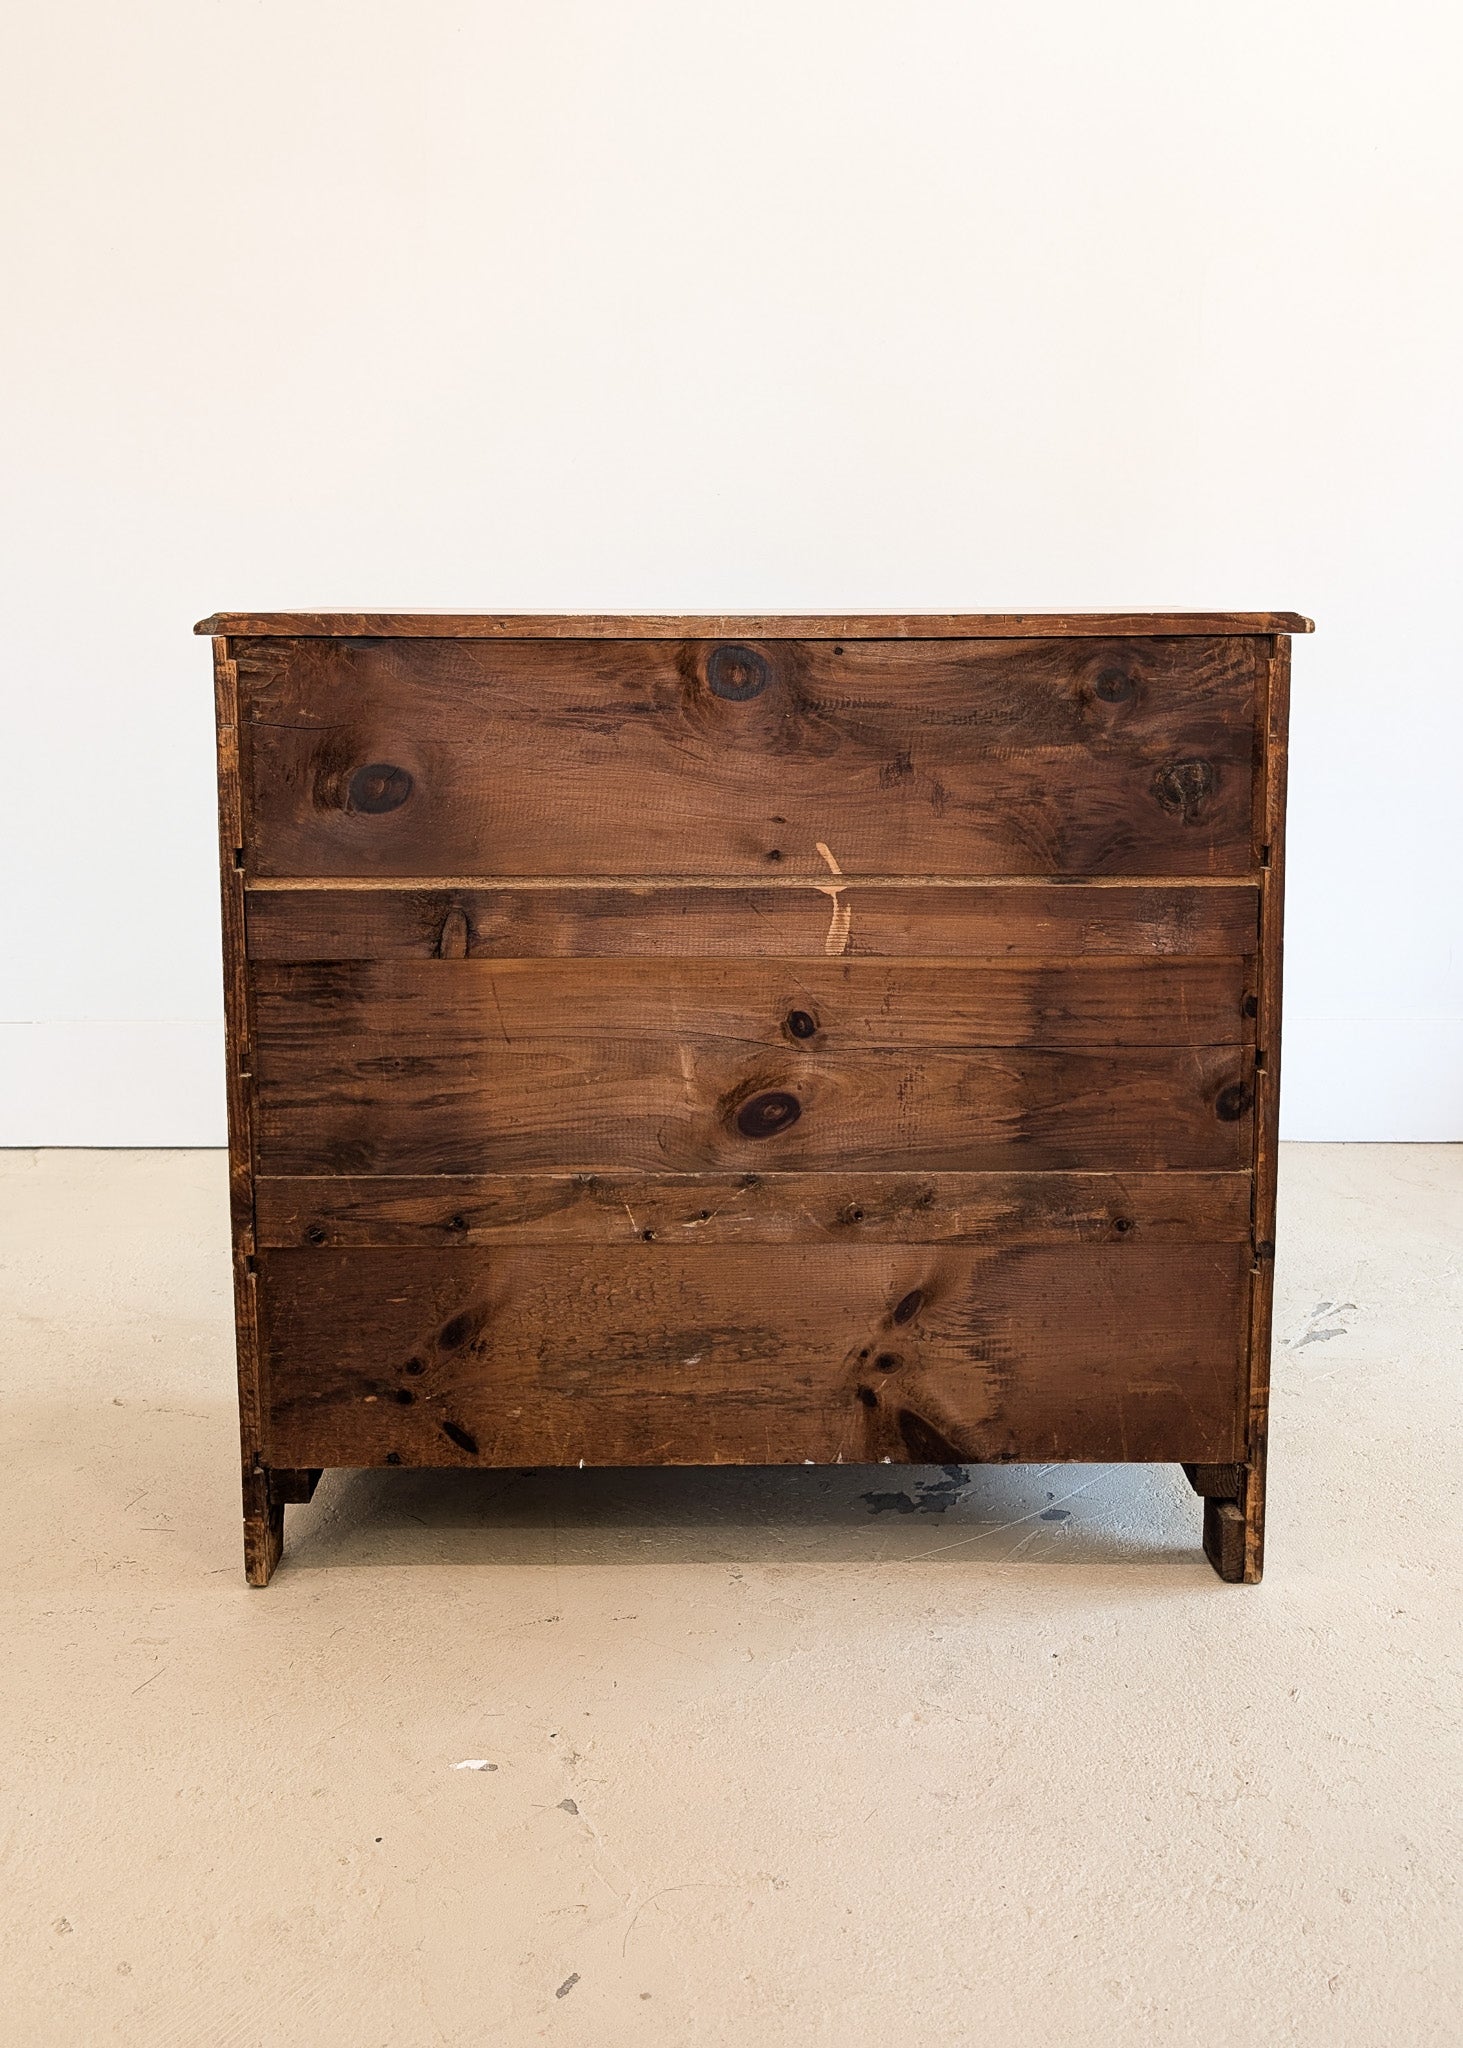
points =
(866, 920)
(641, 1355)
(705, 1210)
(402, 757)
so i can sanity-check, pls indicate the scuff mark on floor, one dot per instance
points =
(930, 1496)
(1325, 1321)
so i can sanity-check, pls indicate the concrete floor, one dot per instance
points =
(771, 1759)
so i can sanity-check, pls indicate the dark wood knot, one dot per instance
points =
(765, 1115)
(380, 787)
(1231, 1103)
(317, 1234)
(1185, 789)
(736, 673)
(1114, 686)
(888, 1361)
(910, 1306)
(801, 1023)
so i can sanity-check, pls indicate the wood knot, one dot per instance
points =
(316, 1233)
(1114, 686)
(765, 1115)
(1184, 789)
(1231, 1103)
(379, 787)
(736, 673)
(801, 1023)
(910, 1306)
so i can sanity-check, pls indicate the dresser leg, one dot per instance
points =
(1234, 1518)
(263, 1528)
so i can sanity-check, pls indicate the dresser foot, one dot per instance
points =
(1234, 1519)
(263, 1528)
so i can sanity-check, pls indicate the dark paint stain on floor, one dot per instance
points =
(930, 1496)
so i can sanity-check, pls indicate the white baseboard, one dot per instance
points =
(1346, 1079)
(112, 1084)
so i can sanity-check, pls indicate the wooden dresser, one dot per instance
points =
(753, 1041)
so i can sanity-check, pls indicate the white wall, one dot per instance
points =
(768, 305)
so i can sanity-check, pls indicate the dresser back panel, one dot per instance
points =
(643, 1354)
(809, 919)
(753, 1041)
(581, 758)
(425, 1212)
(427, 1072)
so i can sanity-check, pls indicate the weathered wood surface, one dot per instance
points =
(643, 1354)
(761, 626)
(263, 1516)
(736, 1039)
(823, 1006)
(715, 922)
(643, 758)
(403, 1087)
(429, 1211)
(1240, 1555)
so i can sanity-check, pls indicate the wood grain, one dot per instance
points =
(263, 1516)
(430, 1211)
(1220, 1535)
(583, 758)
(643, 1105)
(753, 1040)
(762, 626)
(715, 922)
(822, 1005)
(646, 1355)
